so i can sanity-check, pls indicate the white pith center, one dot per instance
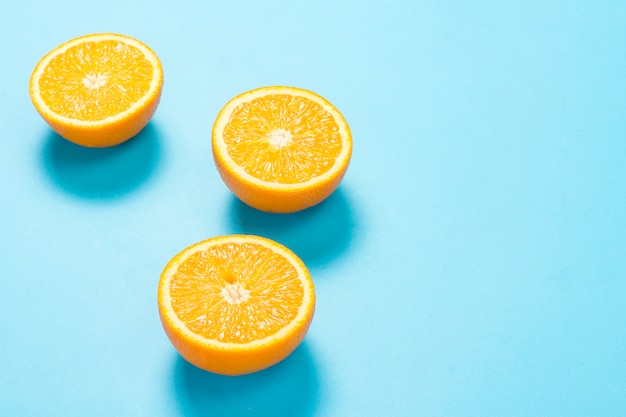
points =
(93, 81)
(235, 293)
(279, 138)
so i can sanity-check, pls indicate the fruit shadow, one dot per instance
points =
(101, 173)
(289, 388)
(318, 235)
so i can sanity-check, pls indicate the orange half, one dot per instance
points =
(97, 90)
(236, 304)
(281, 149)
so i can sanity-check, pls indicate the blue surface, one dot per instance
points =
(472, 263)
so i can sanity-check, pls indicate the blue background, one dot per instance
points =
(472, 263)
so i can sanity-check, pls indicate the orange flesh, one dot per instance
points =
(282, 138)
(236, 293)
(95, 80)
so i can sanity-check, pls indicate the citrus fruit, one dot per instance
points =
(281, 149)
(97, 90)
(235, 304)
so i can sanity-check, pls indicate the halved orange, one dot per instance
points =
(236, 304)
(97, 90)
(281, 149)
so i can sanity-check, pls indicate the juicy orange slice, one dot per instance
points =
(281, 149)
(97, 90)
(236, 304)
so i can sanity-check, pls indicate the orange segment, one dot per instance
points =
(97, 90)
(281, 149)
(236, 304)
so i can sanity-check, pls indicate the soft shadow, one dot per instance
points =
(318, 235)
(289, 388)
(105, 173)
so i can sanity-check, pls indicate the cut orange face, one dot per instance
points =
(281, 149)
(97, 90)
(236, 304)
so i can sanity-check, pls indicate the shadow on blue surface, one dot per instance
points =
(318, 235)
(105, 173)
(289, 388)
